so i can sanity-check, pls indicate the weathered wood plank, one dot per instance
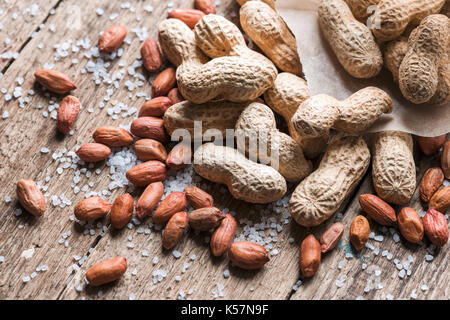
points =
(433, 274)
(26, 131)
(18, 21)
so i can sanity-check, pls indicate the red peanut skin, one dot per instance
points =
(149, 127)
(91, 208)
(173, 203)
(149, 199)
(112, 38)
(30, 197)
(67, 114)
(121, 211)
(151, 57)
(410, 225)
(436, 228)
(107, 271)
(174, 229)
(155, 107)
(331, 237)
(223, 235)
(248, 255)
(309, 256)
(147, 172)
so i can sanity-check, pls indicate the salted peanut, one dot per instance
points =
(431, 181)
(392, 17)
(436, 228)
(246, 180)
(393, 167)
(445, 160)
(359, 232)
(54, 81)
(378, 210)
(173, 203)
(149, 149)
(270, 33)
(155, 107)
(410, 225)
(149, 127)
(163, 82)
(179, 157)
(205, 218)
(148, 172)
(440, 200)
(91, 208)
(362, 9)
(175, 96)
(223, 236)
(424, 74)
(93, 152)
(431, 145)
(235, 72)
(112, 136)
(149, 199)
(248, 255)
(174, 230)
(309, 256)
(106, 271)
(218, 116)
(351, 40)
(287, 94)
(67, 114)
(330, 238)
(318, 114)
(394, 53)
(198, 198)
(121, 211)
(257, 126)
(321, 194)
(151, 58)
(30, 197)
(189, 16)
(111, 39)
(205, 6)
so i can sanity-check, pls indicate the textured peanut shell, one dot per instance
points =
(351, 41)
(321, 194)
(394, 52)
(424, 74)
(392, 17)
(270, 3)
(393, 167)
(271, 34)
(219, 115)
(258, 120)
(360, 8)
(285, 97)
(235, 73)
(245, 179)
(318, 114)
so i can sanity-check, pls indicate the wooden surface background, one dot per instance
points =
(28, 243)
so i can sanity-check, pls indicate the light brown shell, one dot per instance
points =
(271, 34)
(394, 52)
(351, 40)
(286, 95)
(258, 120)
(270, 3)
(236, 73)
(219, 115)
(392, 17)
(318, 114)
(424, 73)
(393, 167)
(321, 194)
(362, 9)
(246, 180)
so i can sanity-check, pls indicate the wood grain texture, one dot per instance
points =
(19, 19)
(26, 131)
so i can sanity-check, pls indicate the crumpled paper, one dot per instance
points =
(325, 75)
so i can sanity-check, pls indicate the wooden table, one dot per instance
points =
(28, 243)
